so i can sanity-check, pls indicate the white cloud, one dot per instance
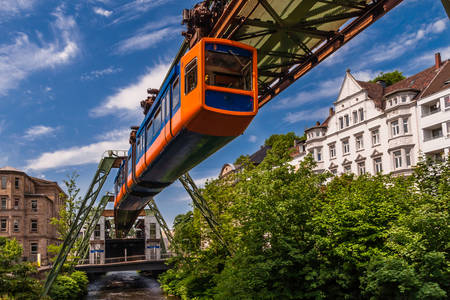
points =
(142, 41)
(23, 56)
(126, 101)
(252, 138)
(2, 126)
(80, 155)
(102, 12)
(427, 59)
(328, 88)
(307, 115)
(365, 75)
(39, 131)
(403, 43)
(135, 9)
(100, 73)
(15, 6)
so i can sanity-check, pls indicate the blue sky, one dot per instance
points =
(72, 74)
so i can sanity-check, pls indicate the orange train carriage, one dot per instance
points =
(207, 100)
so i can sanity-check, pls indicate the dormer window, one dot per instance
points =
(404, 98)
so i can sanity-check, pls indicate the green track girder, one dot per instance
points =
(109, 160)
(201, 204)
(162, 223)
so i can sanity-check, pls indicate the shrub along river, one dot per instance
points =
(125, 285)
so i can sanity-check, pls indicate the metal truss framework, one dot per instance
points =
(162, 223)
(201, 204)
(111, 159)
(83, 248)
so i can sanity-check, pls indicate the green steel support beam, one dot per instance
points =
(109, 160)
(162, 223)
(201, 204)
(346, 3)
(84, 246)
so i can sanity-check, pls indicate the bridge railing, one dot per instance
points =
(113, 260)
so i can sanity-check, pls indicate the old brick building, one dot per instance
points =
(26, 206)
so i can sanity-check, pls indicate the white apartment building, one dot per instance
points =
(373, 128)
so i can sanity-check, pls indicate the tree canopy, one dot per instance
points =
(304, 235)
(389, 78)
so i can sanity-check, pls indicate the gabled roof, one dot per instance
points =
(375, 92)
(419, 81)
(439, 82)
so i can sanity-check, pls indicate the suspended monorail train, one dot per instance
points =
(208, 99)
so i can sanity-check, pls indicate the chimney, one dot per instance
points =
(437, 59)
(317, 123)
(331, 111)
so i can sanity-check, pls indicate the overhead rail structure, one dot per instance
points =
(291, 36)
(111, 159)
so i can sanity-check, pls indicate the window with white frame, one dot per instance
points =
(408, 157)
(332, 150)
(447, 101)
(4, 181)
(341, 123)
(395, 128)
(347, 120)
(375, 137)
(361, 168)
(404, 98)
(319, 154)
(345, 147)
(4, 203)
(397, 159)
(359, 142)
(378, 165)
(355, 117)
(361, 114)
(395, 100)
(405, 125)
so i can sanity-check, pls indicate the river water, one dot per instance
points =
(125, 285)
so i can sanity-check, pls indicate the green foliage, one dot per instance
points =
(16, 279)
(69, 286)
(302, 235)
(389, 78)
(65, 288)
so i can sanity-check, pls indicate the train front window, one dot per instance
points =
(228, 67)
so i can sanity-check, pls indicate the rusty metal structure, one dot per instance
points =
(291, 36)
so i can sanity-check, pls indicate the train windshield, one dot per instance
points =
(228, 67)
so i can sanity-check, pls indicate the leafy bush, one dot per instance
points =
(65, 288)
(81, 279)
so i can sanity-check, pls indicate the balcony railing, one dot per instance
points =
(430, 138)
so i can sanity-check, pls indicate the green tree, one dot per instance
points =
(302, 235)
(389, 78)
(67, 214)
(16, 279)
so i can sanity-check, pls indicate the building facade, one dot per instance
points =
(377, 129)
(26, 206)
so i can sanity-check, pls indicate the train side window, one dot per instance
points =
(157, 122)
(175, 94)
(190, 76)
(149, 133)
(168, 105)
